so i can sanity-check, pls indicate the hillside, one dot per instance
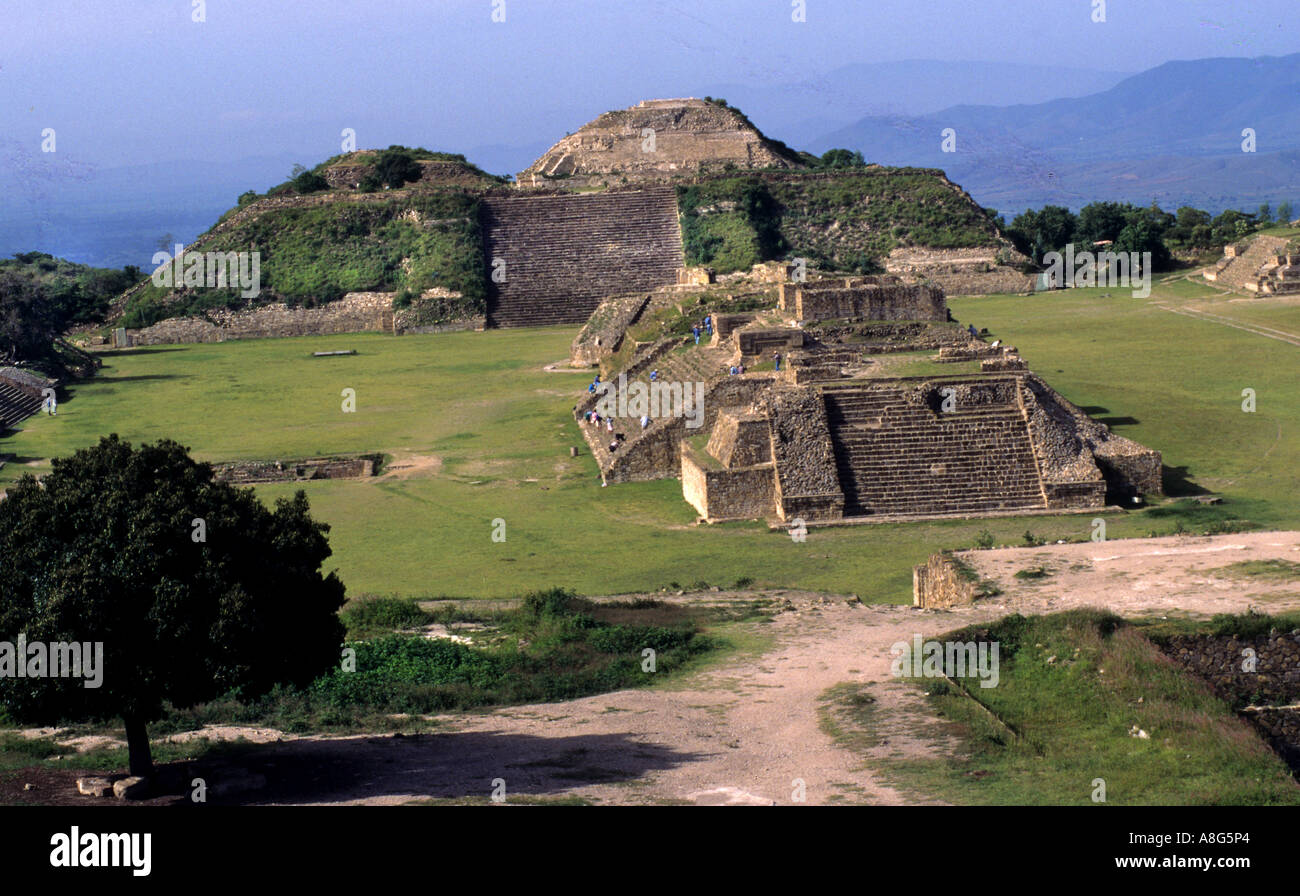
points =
(842, 220)
(328, 232)
(1173, 133)
(405, 221)
(78, 293)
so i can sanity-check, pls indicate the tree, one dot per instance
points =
(842, 158)
(1284, 212)
(29, 323)
(309, 182)
(1103, 221)
(194, 588)
(394, 168)
(1043, 231)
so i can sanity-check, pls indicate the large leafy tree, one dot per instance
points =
(29, 323)
(193, 586)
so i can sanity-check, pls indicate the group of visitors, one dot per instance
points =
(705, 325)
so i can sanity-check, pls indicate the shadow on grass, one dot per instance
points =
(1178, 483)
(425, 766)
(1113, 422)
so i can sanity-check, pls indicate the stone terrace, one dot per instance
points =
(20, 396)
(895, 454)
(564, 254)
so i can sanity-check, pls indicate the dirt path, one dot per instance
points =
(748, 730)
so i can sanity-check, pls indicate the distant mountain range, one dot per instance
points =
(1172, 134)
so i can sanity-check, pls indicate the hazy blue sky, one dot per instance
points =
(126, 81)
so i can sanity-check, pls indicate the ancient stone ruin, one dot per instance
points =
(1265, 265)
(656, 140)
(828, 437)
(553, 258)
(21, 395)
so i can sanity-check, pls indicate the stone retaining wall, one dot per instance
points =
(354, 313)
(242, 472)
(940, 583)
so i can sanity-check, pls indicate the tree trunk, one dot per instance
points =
(137, 745)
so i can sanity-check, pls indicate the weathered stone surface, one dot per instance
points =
(354, 313)
(555, 258)
(603, 333)
(940, 583)
(863, 299)
(656, 140)
(133, 788)
(94, 787)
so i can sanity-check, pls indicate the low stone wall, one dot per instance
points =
(940, 583)
(603, 332)
(354, 313)
(762, 342)
(741, 439)
(1219, 659)
(1273, 684)
(832, 300)
(242, 472)
(745, 493)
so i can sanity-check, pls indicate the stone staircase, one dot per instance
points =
(1243, 271)
(16, 405)
(564, 254)
(696, 364)
(897, 457)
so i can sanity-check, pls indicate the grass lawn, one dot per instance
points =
(1074, 699)
(499, 428)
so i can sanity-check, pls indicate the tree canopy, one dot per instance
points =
(194, 588)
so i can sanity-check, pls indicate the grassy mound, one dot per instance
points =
(1081, 697)
(846, 221)
(315, 253)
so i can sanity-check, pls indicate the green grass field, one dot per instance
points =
(495, 430)
(1082, 698)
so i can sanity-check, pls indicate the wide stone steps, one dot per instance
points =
(1245, 268)
(702, 364)
(896, 457)
(16, 405)
(564, 254)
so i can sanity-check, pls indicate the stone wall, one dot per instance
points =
(554, 259)
(743, 493)
(603, 332)
(808, 485)
(833, 300)
(1072, 447)
(242, 472)
(356, 312)
(741, 438)
(761, 342)
(1273, 686)
(971, 272)
(940, 583)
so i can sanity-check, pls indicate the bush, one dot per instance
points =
(372, 614)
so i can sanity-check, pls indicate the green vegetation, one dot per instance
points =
(190, 588)
(314, 254)
(497, 429)
(1261, 570)
(846, 222)
(74, 293)
(1075, 693)
(1132, 228)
